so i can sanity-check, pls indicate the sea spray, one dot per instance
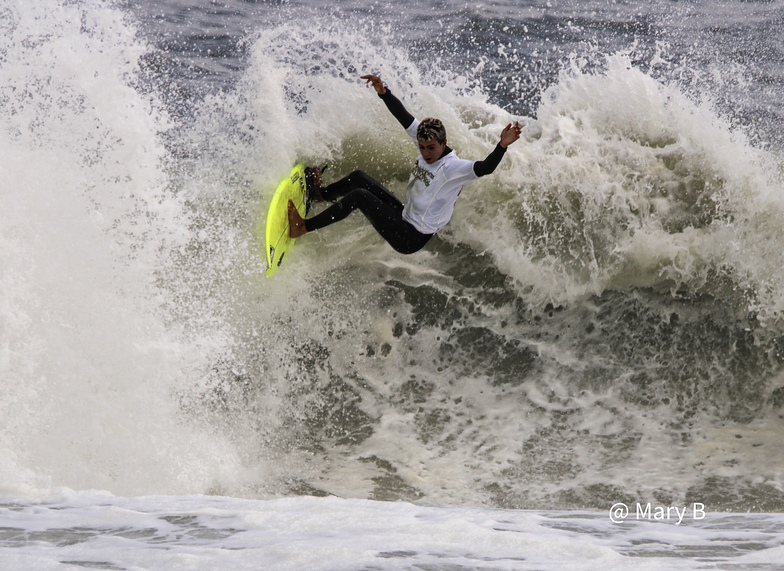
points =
(90, 366)
(632, 184)
(591, 309)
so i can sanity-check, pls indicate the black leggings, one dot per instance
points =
(380, 207)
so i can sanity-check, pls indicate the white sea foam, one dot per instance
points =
(331, 534)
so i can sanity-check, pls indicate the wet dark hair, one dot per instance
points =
(431, 128)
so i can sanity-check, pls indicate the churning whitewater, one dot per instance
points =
(599, 324)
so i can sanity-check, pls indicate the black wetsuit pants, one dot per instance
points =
(380, 207)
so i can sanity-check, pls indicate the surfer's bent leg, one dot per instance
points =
(384, 214)
(357, 179)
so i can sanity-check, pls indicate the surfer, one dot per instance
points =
(435, 183)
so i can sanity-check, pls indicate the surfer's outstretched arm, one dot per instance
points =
(376, 82)
(393, 103)
(508, 136)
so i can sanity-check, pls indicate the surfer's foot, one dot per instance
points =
(296, 222)
(313, 180)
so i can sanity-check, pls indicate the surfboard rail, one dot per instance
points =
(277, 241)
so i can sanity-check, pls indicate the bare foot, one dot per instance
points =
(296, 222)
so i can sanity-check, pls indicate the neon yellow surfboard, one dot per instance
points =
(276, 232)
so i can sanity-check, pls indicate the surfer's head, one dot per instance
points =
(431, 128)
(431, 136)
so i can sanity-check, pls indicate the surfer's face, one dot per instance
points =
(431, 149)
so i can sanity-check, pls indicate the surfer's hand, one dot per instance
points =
(510, 134)
(375, 80)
